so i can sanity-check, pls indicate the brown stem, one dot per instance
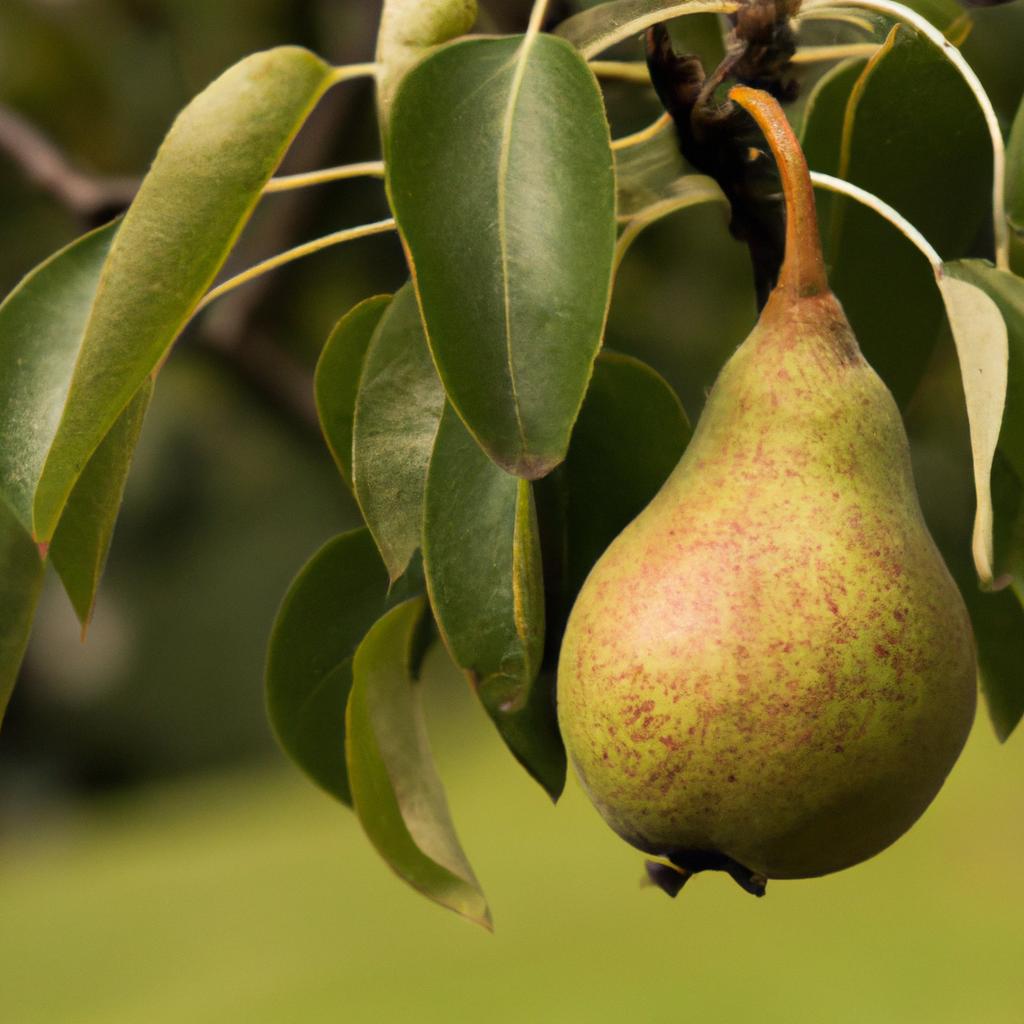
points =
(803, 269)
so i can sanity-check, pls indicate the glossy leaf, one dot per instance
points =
(408, 30)
(481, 554)
(337, 378)
(325, 614)
(603, 26)
(82, 541)
(42, 323)
(396, 790)
(980, 334)
(397, 411)
(913, 136)
(21, 580)
(200, 191)
(507, 210)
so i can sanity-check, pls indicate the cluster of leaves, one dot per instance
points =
(493, 448)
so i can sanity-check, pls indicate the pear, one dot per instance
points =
(771, 671)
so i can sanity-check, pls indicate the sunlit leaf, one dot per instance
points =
(397, 411)
(82, 541)
(337, 378)
(982, 349)
(408, 30)
(42, 323)
(201, 189)
(21, 579)
(325, 614)
(396, 790)
(481, 554)
(606, 24)
(1007, 291)
(507, 209)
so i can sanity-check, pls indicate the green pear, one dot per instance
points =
(771, 671)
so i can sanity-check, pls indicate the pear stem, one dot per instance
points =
(803, 268)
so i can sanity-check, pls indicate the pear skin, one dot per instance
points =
(771, 669)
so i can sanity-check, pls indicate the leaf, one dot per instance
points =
(982, 349)
(648, 170)
(601, 27)
(408, 30)
(200, 191)
(325, 614)
(998, 622)
(481, 555)
(21, 580)
(631, 432)
(82, 541)
(1007, 291)
(397, 411)
(507, 209)
(690, 190)
(337, 378)
(1015, 190)
(821, 132)
(915, 137)
(396, 790)
(41, 327)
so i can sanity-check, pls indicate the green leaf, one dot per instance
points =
(409, 29)
(647, 171)
(200, 191)
(41, 327)
(915, 137)
(481, 554)
(998, 621)
(1007, 291)
(631, 432)
(397, 411)
(689, 190)
(507, 209)
(21, 580)
(821, 131)
(337, 378)
(948, 16)
(1015, 189)
(82, 541)
(396, 790)
(982, 347)
(325, 614)
(603, 26)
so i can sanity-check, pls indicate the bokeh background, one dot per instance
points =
(159, 860)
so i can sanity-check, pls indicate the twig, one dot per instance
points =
(92, 198)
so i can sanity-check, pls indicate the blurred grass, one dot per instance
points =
(253, 898)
